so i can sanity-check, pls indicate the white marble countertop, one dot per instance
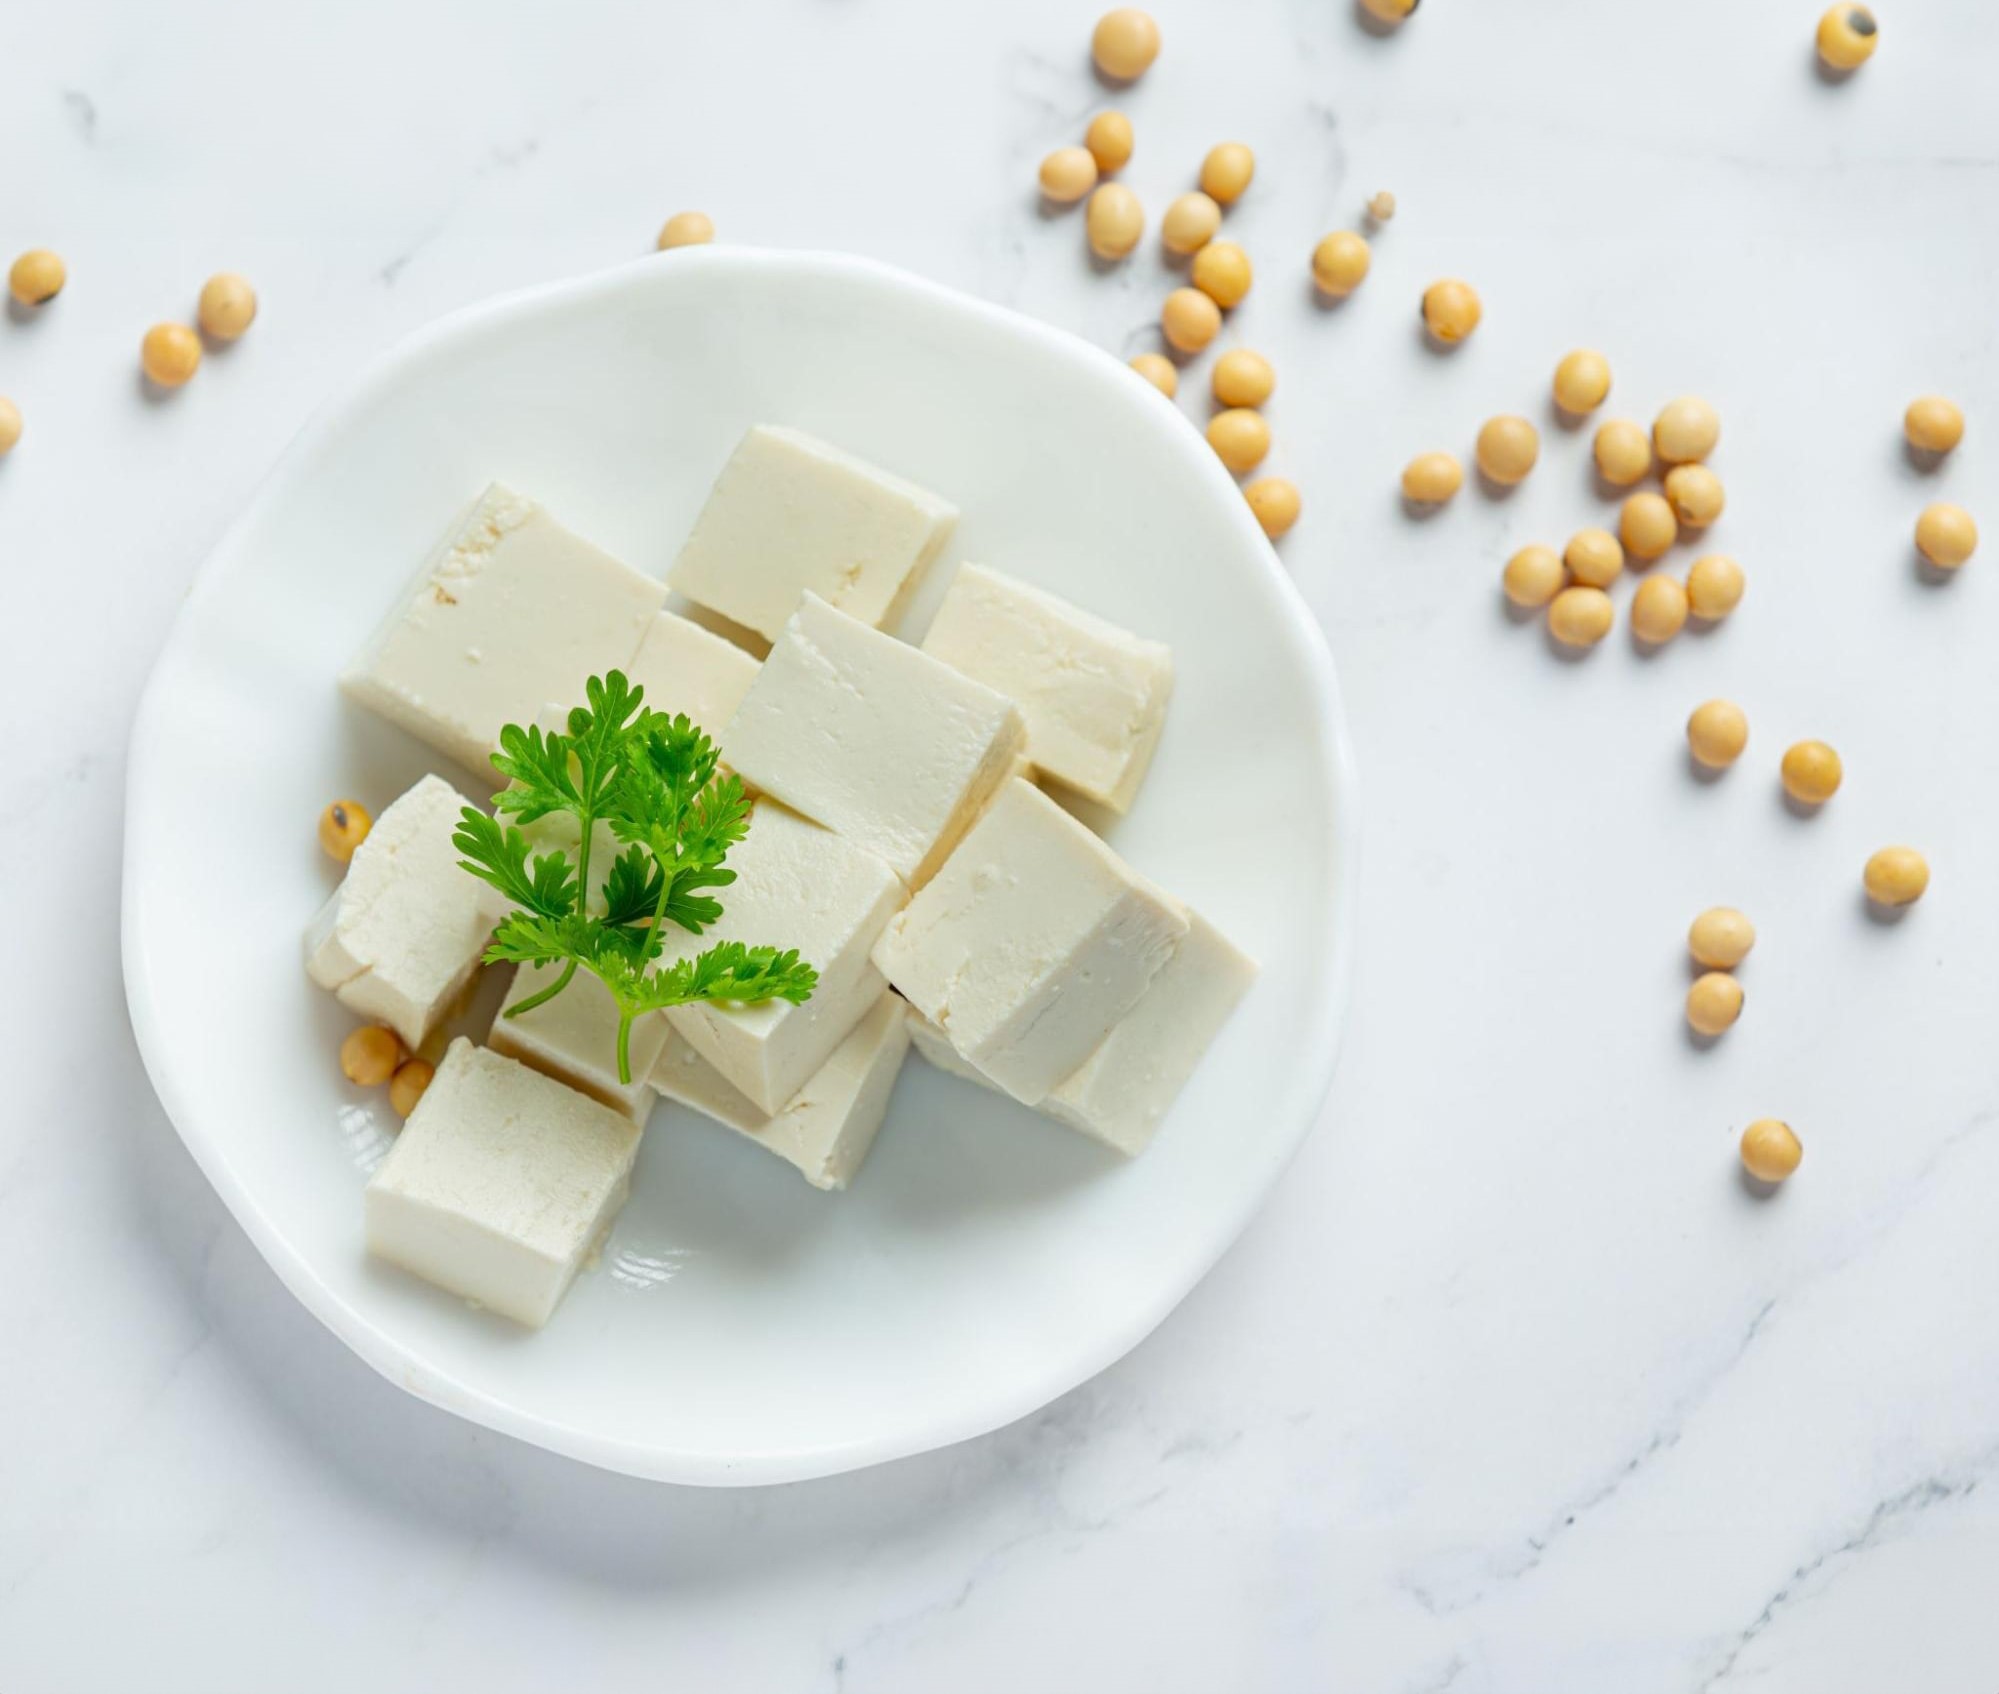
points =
(1513, 1385)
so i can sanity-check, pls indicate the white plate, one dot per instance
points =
(743, 1327)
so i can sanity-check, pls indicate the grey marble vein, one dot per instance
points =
(1820, 1571)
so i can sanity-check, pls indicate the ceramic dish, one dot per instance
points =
(742, 1327)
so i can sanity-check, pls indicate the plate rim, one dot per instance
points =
(407, 1367)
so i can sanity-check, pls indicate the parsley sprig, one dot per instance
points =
(652, 780)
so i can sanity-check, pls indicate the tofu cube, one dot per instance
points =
(873, 738)
(827, 1127)
(404, 932)
(1093, 695)
(510, 611)
(684, 668)
(574, 1038)
(1030, 944)
(790, 516)
(1123, 1090)
(934, 1047)
(500, 1184)
(801, 886)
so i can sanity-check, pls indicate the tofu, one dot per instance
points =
(1093, 695)
(789, 516)
(574, 1038)
(801, 886)
(1030, 944)
(511, 610)
(684, 668)
(827, 1128)
(934, 1047)
(500, 1184)
(1123, 1090)
(1120, 1094)
(872, 738)
(402, 935)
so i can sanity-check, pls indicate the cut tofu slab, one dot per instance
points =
(1123, 1090)
(403, 933)
(510, 611)
(684, 668)
(934, 1047)
(574, 1038)
(789, 516)
(828, 1126)
(797, 886)
(1030, 943)
(873, 738)
(501, 1182)
(1093, 695)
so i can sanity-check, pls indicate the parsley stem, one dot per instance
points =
(546, 995)
(588, 819)
(587, 816)
(652, 945)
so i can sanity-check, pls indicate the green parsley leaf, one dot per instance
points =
(599, 734)
(632, 889)
(537, 768)
(731, 972)
(653, 779)
(498, 854)
(527, 938)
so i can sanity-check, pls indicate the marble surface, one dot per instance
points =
(1513, 1385)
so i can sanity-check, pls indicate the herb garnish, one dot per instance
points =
(651, 778)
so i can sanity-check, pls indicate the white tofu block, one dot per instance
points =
(934, 1047)
(403, 933)
(574, 1038)
(801, 886)
(681, 1075)
(1093, 695)
(873, 738)
(1123, 1090)
(827, 1127)
(790, 516)
(500, 1184)
(510, 611)
(684, 668)
(1030, 943)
